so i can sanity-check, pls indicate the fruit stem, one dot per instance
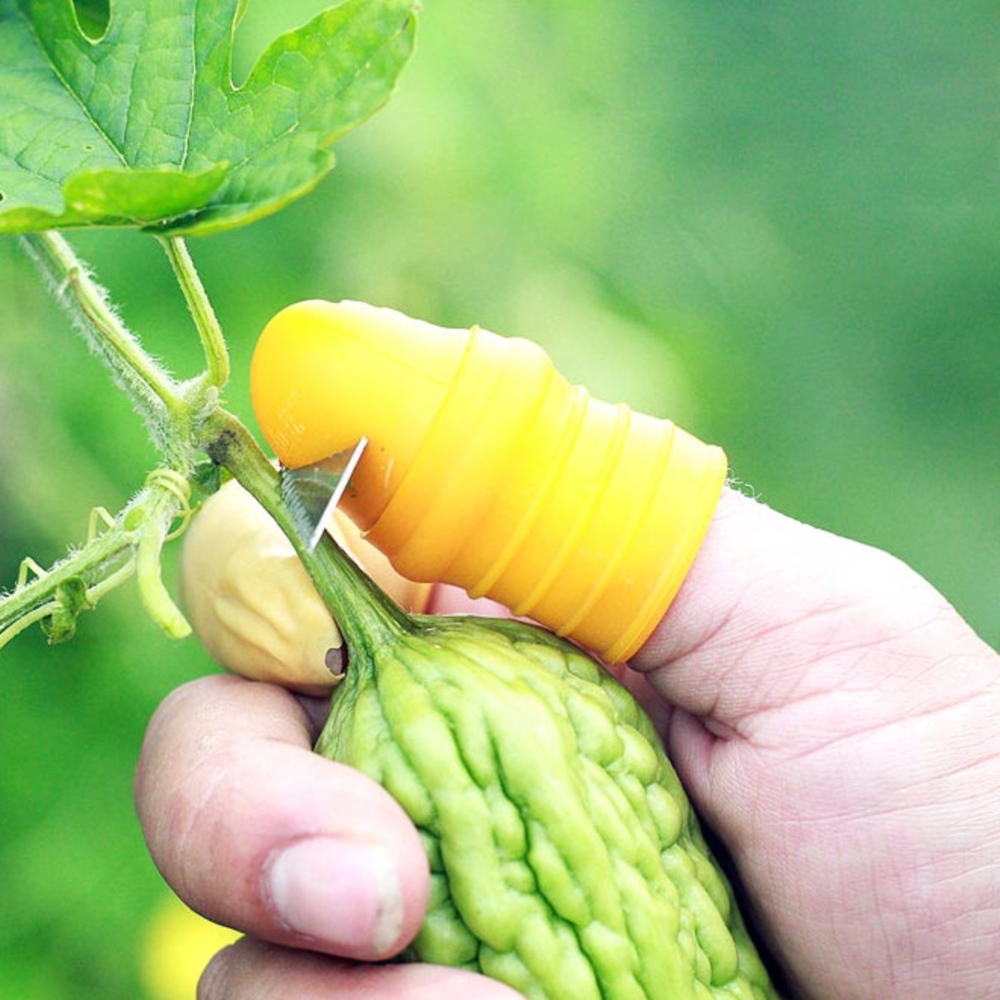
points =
(365, 615)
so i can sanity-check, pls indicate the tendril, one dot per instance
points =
(178, 486)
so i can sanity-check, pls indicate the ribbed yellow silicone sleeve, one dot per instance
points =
(488, 470)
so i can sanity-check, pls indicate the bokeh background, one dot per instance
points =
(778, 223)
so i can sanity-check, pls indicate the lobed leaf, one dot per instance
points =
(143, 126)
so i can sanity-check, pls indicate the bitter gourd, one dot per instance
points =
(565, 858)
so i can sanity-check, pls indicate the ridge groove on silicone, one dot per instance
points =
(630, 531)
(599, 413)
(384, 532)
(702, 501)
(432, 526)
(569, 433)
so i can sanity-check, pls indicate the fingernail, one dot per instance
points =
(344, 894)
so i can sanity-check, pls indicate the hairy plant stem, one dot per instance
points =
(153, 392)
(129, 545)
(212, 340)
(105, 558)
(185, 420)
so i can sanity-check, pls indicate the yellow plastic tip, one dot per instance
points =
(488, 470)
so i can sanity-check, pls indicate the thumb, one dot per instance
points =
(774, 612)
(487, 470)
(252, 603)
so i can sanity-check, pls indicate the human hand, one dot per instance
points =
(831, 716)
(835, 722)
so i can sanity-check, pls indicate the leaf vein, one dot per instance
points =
(359, 70)
(96, 125)
(186, 148)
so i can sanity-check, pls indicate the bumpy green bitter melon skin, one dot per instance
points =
(565, 859)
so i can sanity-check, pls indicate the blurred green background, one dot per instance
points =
(777, 223)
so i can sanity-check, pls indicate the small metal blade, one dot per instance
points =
(312, 491)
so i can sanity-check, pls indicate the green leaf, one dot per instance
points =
(142, 125)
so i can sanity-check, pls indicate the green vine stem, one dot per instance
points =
(129, 545)
(133, 542)
(106, 558)
(186, 420)
(153, 392)
(212, 340)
